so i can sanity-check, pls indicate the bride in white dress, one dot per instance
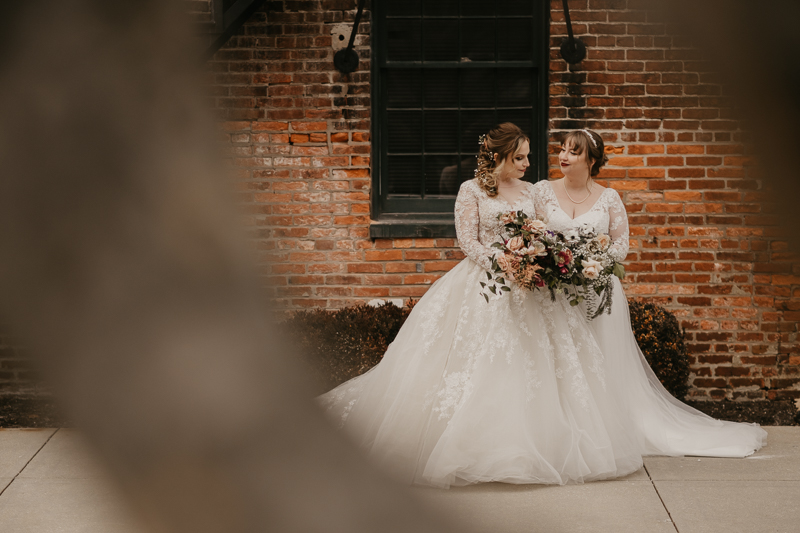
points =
(522, 389)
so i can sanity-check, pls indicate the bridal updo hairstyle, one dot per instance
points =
(498, 144)
(579, 140)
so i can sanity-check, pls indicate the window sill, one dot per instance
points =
(410, 228)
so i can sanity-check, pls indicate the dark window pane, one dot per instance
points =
(403, 7)
(441, 175)
(514, 88)
(404, 173)
(477, 41)
(403, 87)
(441, 87)
(402, 39)
(430, 118)
(441, 131)
(468, 165)
(473, 125)
(405, 128)
(440, 7)
(477, 8)
(477, 87)
(441, 39)
(514, 39)
(520, 117)
(515, 7)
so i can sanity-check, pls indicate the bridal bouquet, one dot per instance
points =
(576, 262)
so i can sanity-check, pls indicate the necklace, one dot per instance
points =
(570, 197)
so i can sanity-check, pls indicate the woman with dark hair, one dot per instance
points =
(515, 389)
(658, 423)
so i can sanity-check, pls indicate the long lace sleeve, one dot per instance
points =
(539, 201)
(618, 228)
(467, 221)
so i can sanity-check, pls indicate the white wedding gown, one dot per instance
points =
(522, 389)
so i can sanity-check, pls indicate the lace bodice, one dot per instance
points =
(607, 215)
(477, 226)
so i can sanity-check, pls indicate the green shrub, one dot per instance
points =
(660, 337)
(342, 344)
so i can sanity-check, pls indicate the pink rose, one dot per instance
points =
(515, 243)
(534, 227)
(591, 268)
(502, 262)
(538, 225)
(603, 241)
(508, 218)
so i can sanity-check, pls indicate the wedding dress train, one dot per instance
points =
(522, 389)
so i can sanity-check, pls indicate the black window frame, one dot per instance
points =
(417, 219)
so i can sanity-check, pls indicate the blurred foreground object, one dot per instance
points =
(756, 50)
(122, 266)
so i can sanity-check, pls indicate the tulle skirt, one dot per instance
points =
(522, 389)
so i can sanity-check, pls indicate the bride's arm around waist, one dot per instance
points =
(467, 217)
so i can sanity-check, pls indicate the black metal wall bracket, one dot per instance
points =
(228, 16)
(572, 50)
(346, 60)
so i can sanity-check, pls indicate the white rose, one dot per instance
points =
(591, 268)
(538, 248)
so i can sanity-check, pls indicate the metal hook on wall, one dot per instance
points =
(573, 50)
(346, 61)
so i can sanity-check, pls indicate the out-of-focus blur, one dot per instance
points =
(756, 50)
(122, 265)
(123, 268)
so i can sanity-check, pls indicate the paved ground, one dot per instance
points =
(49, 483)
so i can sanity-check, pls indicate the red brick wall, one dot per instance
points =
(704, 240)
(300, 133)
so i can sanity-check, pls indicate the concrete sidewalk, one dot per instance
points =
(48, 483)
